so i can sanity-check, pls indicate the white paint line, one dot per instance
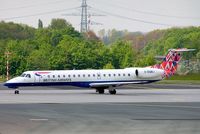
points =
(168, 106)
(164, 106)
(38, 119)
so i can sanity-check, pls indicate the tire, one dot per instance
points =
(101, 91)
(112, 91)
(16, 91)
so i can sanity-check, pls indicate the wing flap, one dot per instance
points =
(104, 84)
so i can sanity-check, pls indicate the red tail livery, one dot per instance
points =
(171, 60)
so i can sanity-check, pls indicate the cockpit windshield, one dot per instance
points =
(23, 75)
(26, 75)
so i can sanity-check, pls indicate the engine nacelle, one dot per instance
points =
(147, 73)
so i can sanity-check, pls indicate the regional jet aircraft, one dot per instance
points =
(100, 79)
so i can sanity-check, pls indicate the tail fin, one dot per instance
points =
(171, 60)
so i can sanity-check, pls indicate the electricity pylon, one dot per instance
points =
(85, 17)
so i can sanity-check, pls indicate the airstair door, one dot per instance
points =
(98, 76)
(38, 78)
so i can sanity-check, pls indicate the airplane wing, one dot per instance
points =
(107, 84)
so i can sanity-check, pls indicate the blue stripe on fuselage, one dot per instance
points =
(78, 84)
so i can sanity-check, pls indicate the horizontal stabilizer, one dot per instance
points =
(182, 50)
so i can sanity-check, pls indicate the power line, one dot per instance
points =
(33, 5)
(132, 19)
(151, 13)
(38, 14)
(164, 15)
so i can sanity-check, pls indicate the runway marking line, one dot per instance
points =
(38, 119)
(167, 106)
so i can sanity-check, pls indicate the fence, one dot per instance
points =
(189, 66)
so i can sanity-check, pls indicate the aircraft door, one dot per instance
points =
(38, 78)
(98, 76)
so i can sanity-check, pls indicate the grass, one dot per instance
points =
(186, 77)
(182, 79)
(184, 82)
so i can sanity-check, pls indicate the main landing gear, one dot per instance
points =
(102, 91)
(113, 91)
(16, 91)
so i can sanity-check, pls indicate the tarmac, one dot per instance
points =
(135, 109)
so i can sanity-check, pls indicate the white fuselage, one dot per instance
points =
(87, 78)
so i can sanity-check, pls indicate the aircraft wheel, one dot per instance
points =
(16, 91)
(112, 91)
(101, 91)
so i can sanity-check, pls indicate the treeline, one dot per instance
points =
(157, 42)
(60, 46)
(175, 38)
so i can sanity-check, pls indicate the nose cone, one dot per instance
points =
(12, 83)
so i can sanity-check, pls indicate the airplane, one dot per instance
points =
(101, 79)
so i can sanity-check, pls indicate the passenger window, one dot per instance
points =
(119, 75)
(124, 75)
(74, 75)
(93, 75)
(104, 75)
(129, 74)
(109, 75)
(63, 76)
(79, 75)
(83, 75)
(88, 75)
(53, 76)
(58, 76)
(114, 75)
(48, 76)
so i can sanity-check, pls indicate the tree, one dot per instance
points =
(15, 31)
(40, 24)
(59, 24)
(108, 66)
(122, 54)
(91, 35)
(39, 59)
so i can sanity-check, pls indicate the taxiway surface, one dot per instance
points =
(140, 110)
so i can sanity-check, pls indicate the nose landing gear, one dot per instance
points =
(16, 91)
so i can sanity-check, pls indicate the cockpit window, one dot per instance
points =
(28, 75)
(23, 75)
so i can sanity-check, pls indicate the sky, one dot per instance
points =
(131, 15)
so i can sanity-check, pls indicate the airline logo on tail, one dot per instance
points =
(171, 60)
